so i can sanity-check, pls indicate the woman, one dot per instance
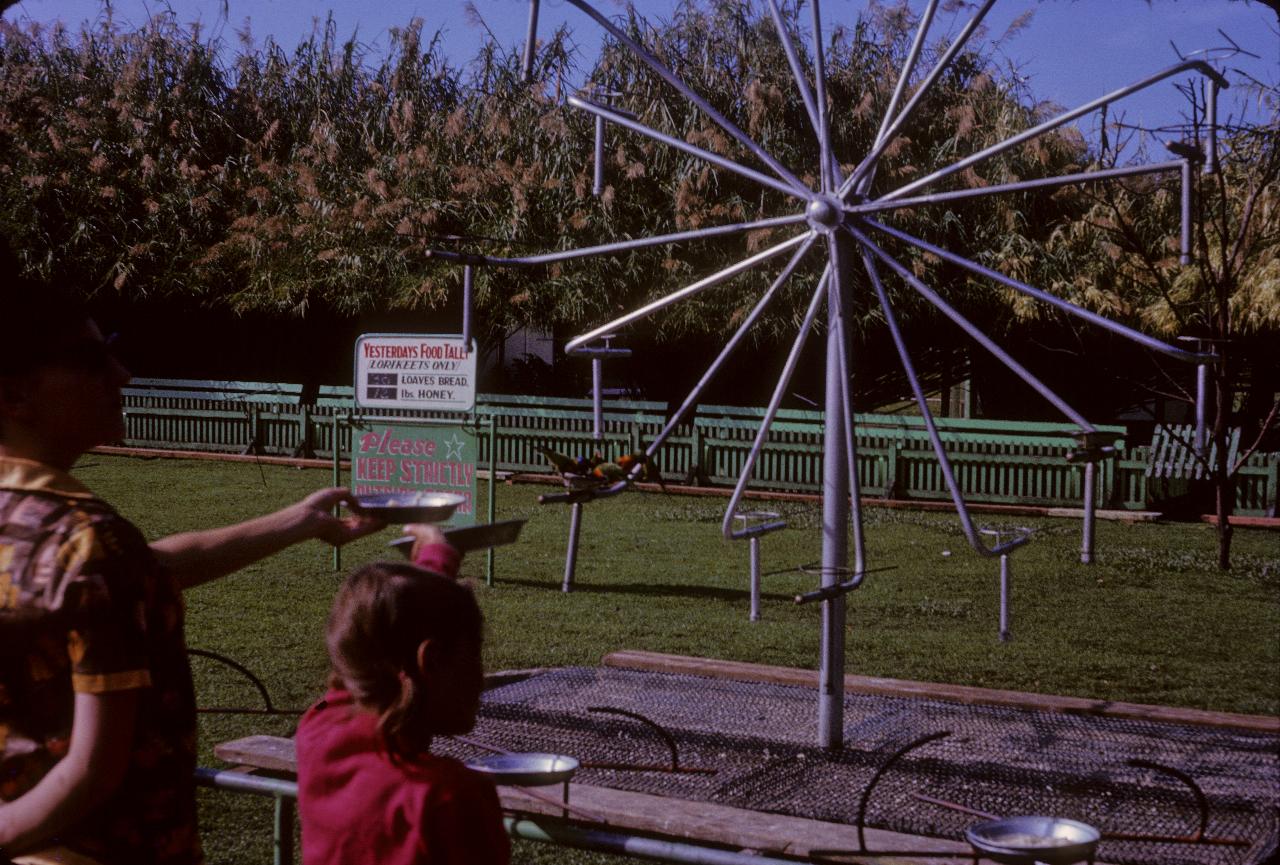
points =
(97, 712)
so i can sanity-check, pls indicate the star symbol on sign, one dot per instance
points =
(453, 447)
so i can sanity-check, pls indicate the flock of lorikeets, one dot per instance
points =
(586, 471)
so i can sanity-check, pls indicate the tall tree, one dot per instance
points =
(141, 166)
(1123, 258)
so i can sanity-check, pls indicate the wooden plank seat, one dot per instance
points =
(699, 822)
(220, 391)
(1173, 453)
(233, 416)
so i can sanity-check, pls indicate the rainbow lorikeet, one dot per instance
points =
(609, 472)
(577, 470)
(571, 466)
(649, 469)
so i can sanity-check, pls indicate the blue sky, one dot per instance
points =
(1073, 51)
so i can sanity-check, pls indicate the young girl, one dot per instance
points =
(404, 643)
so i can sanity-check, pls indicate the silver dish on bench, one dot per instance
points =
(1024, 840)
(525, 770)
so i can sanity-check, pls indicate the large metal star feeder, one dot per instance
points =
(845, 220)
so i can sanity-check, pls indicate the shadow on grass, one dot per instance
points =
(648, 589)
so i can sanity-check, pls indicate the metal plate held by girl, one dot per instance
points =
(468, 538)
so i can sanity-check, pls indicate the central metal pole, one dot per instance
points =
(835, 546)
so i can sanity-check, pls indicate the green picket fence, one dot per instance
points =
(994, 461)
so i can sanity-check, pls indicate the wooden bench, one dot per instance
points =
(676, 819)
(235, 416)
(1173, 453)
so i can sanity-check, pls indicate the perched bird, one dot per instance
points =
(649, 468)
(571, 466)
(585, 472)
(609, 472)
(626, 461)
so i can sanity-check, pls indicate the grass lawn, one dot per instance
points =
(1152, 621)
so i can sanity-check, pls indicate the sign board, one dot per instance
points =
(431, 372)
(415, 458)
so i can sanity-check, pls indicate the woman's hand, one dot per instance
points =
(315, 519)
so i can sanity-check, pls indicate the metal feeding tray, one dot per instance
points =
(525, 770)
(408, 507)
(1026, 840)
(468, 538)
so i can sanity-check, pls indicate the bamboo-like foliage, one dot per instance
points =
(138, 163)
(1126, 263)
(1125, 257)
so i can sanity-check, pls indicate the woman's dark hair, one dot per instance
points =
(380, 616)
(39, 315)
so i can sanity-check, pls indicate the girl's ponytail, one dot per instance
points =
(400, 723)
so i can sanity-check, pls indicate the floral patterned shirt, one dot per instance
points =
(86, 608)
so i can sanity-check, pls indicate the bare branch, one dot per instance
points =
(1262, 434)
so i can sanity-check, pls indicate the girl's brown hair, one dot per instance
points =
(380, 616)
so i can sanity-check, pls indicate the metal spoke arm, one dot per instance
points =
(1060, 120)
(471, 258)
(588, 494)
(775, 402)
(908, 66)
(1019, 186)
(974, 333)
(1066, 306)
(826, 593)
(962, 510)
(670, 77)
(887, 135)
(687, 291)
(797, 70)
(623, 120)
(607, 491)
(829, 168)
